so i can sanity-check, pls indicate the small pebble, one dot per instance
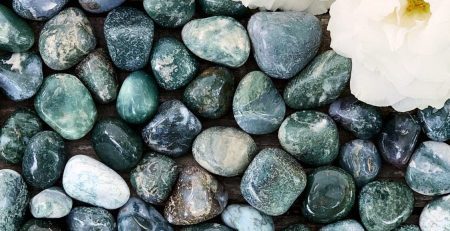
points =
(436, 122)
(17, 35)
(408, 228)
(38, 10)
(40, 225)
(90, 218)
(170, 13)
(14, 199)
(224, 7)
(297, 227)
(245, 217)
(344, 225)
(207, 227)
(100, 6)
(51, 203)
(436, 215)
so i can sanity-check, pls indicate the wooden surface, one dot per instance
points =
(83, 146)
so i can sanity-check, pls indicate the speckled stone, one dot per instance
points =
(172, 64)
(129, 36)
(360, 158)
(207, 227)
(197, 197)
(17, 35)
(384, 205)
(90, 218)
(273, 181)
(310, 136)
(40, 225)
(92, 182)
(223, 7)
(329, 195)
(66, 39)
(284, 42)
(135, 215)
(38, 10)
(64, 103)
(172, 130)
(409, 228)
(297, 227)
(258, 107)
(245, 217)
(436, 215)
(16, 133)
(44, 159)
(320, 83)
(14, 199)
(170, 13)
(154, 177)
(210, 95)
(100, 6)
(224, 151)
(51, 203)
(344, 225)
(436, 123)
(20, 75)
(218, 39)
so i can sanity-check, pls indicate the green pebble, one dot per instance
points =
(297, 227)
(51, 203)
(40, 225)
(16, 34)
(207, 227)
(436, 215)
(344, 225)
(408, 228)
(170, 13)
(224, 7)
(14, 200)
(90, 219)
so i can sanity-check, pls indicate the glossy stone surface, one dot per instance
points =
(15, 134)
(17, 35)
(172, 64)
(207, 227)
(436, 123)
(384, 205)
(14, 199)
(137, 216)
(44, 159)
(310, 136)
(90, 218)
(92, 182)
(258, 107)
(218, 39)
(154, 177)
(100, 6)
(436, 215)
(409, 228)
(172, 130)
(197, 197)
(223, 7)
(297, 227)
(284, 42)
(138, 97)
(66, 39)
(40, 225)
(170, 13)
(329, 195)
(20, 75)
(273, 181)
(224, 151)
(344, 225)
(245, 217)
(320, 83)
(51, 203)
(64, 103)
(38, 10)
(129, 36)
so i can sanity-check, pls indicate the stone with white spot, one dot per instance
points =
(170, 13)
(15, 34)
(436, 215)
(51, 203)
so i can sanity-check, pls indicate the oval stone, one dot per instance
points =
(14, 199)
(224, 151)
(51, 203)
(224, 7)
(90, 218)
(435, 122)
(170, 13)
(100, 6)
(17, 35)
(297, 227)
(409, 228)
(40, 225)
(92, 182)
(436, 215)
(245, 217)
(38, 10)
(207, 227)
(218, 39)
(344, 225)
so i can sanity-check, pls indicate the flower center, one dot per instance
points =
(419, 9)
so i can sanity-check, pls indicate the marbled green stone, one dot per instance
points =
(245, 217)
(436, 122)
(40, 225)
(297, 227)
(207, 227)
(218, 39)
(16, 133)
(14, 200)
(172, 64)
(329, 195)
(210, 94)
(170, 13)
(100, 6)
(138, 97)
(15, 34)
(310, 136)
(224, 7)
(44, 159)
(320, 83)
(344, 225)
(410, 228)
(436, 215)
(90, 218)
(384, 205)
(64, 103)
(51, 203)
(38, 10)
(66, 39)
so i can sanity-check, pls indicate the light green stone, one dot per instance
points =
(436, 215)
(15, 34)
(344, 225)
(50, 203)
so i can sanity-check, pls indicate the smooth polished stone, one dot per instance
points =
(320, 83)
(284, 42)
(170, 13)
(384, 205)
(40, 10)
(51, 203)
(172, 64)
(64, 103)
(329, 195)
(258, 107)
(218, 39)
(363, 120)
(135, 215)
(154, 177)
(138, 97)
(273, 181)
(428, 172)
(116, 144)
(44, 159)
(92, 182)
(223, 7)
(436, 122)
(224, 151)
(436, 215)
(97, 72)
(197, 197)
(207, 227)
(16, 34)
(344, 225)
(129, 36)
(297, 227)
(20, 75)
(245, 217)
(15, 134)
(100, 6)
(40, 225)
(172, 130)
(14, 199)
(410, 228)
(66, 39)
(90, 218)
(310, 136)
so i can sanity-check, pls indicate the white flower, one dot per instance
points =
(313, 6)
(400, 50)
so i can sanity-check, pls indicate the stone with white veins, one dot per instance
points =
(436, 215)
(245, 217)
(51, 203)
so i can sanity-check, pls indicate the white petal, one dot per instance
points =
(319, 6)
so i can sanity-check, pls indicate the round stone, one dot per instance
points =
(245, 217)
(17, 35)
(436, 122)
(51, 203)
(38, 10)
(170, 13)
(100, 6)
(90, 218)
(207, 227)
(224, 7)
(40, 225)
(14, 199)
(436, 215)
(350, 225)
(297, 227)
(409, 228)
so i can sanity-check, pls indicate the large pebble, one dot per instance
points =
(100, 6)
(224, 7)
(245, 217)
(17, 35)
(90, 218)
(170, 13)
(38, 10)
(51, 203)
(14, 200)
(436, 215)
(207, 227)
(40, 225)
(344, 225)
(436, 122)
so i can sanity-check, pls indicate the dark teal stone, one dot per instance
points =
(409, 228)
(38, 10)
(17, 35)
(436, 122)
(40, 225)
(90, 218)
(170, 13)
(172, 64)
(44, 160)
(224, 7)
(137, 216)
(100, 6)
(207, 227)
(284, 42)
(363, 120)
(273, 181)
(297, 227)
(344, 225)
(14, 200)
(51, 203)
(384, 205)
(329, 195)
(245, 217)
(436, 215)
(320, 83)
